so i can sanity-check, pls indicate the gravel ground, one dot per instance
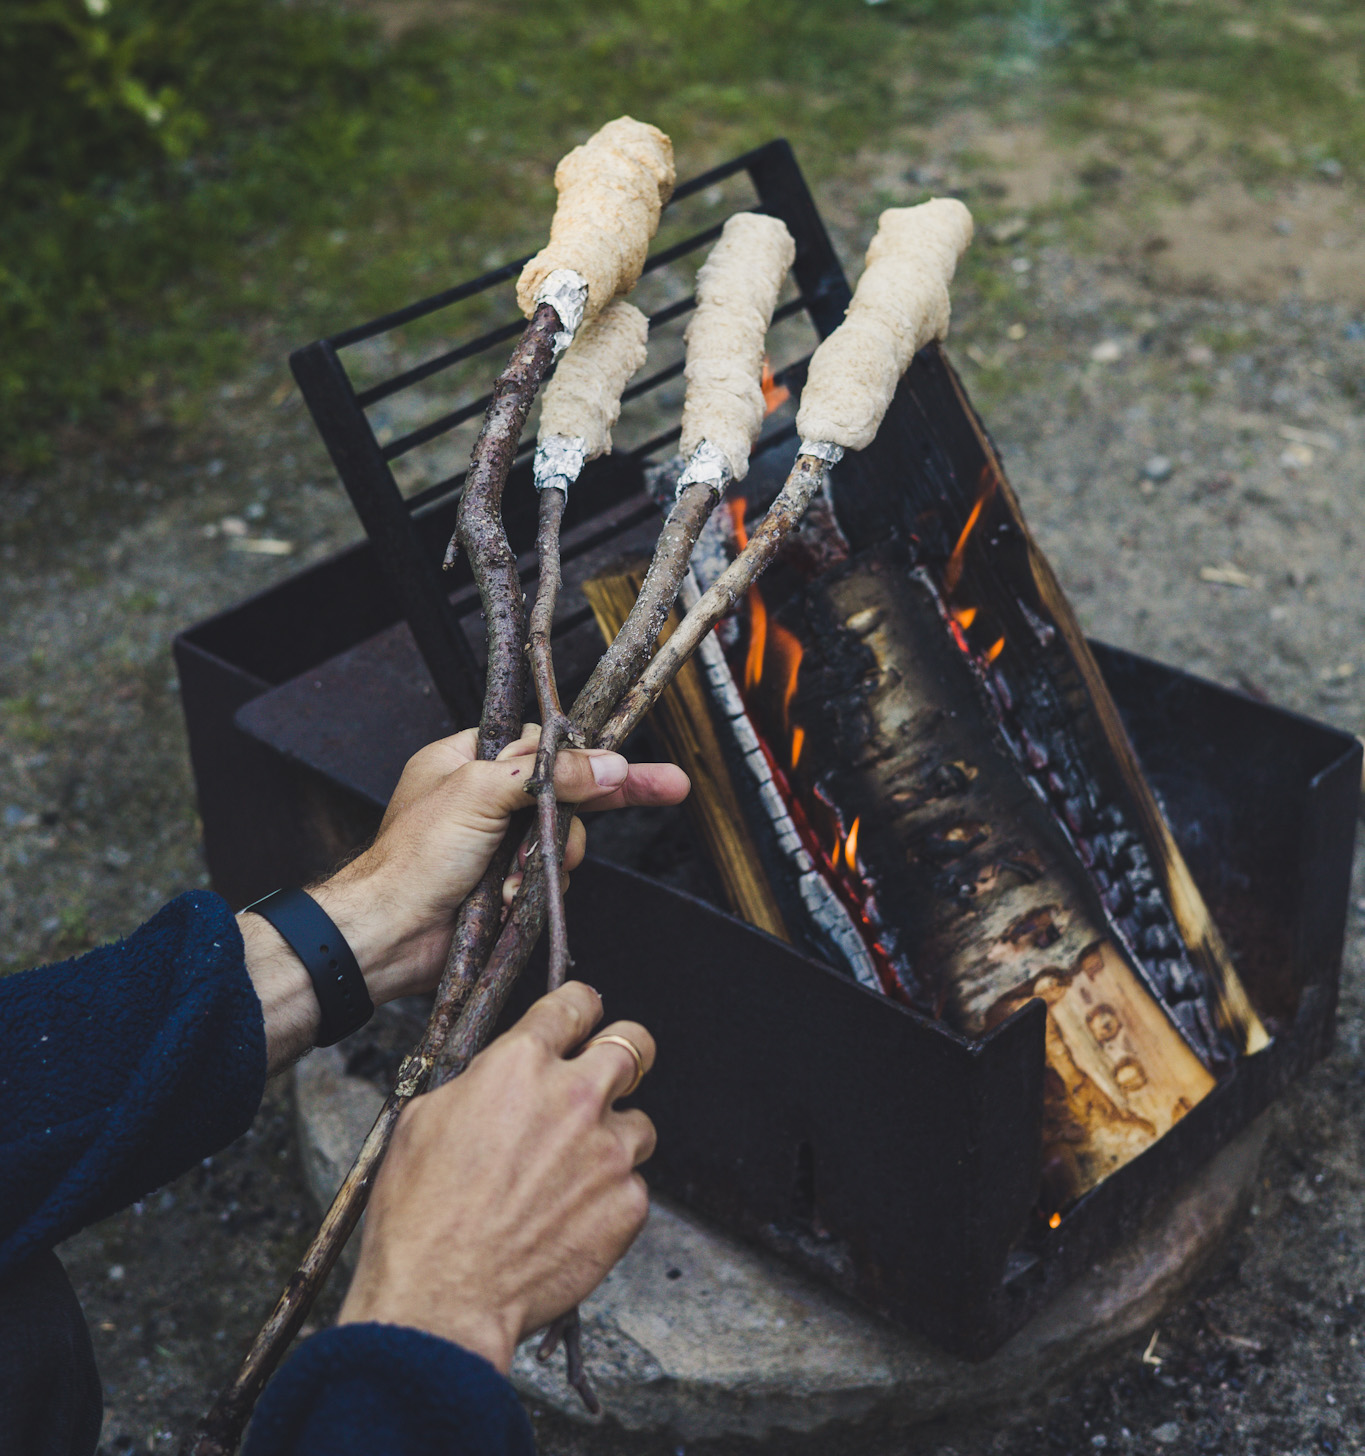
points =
(1193, 460)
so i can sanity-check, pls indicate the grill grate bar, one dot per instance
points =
(419, 372)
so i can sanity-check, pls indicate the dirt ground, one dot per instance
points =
(1179, 406)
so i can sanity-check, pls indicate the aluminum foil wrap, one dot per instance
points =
(558, 461)
(708, 466)
(822, 450)
(567, 293)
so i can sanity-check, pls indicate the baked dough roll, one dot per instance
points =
(901, 302)
(737, 290)
(611, 191)
(583, 400)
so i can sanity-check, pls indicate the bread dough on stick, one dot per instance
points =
(737, 290)
(900, 304)
(611, 191)
(583, 400)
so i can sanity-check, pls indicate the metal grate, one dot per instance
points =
(409, 532)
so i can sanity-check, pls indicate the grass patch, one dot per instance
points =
(181, 176)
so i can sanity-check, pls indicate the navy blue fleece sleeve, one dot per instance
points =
(381, 1390)
(121, 1069)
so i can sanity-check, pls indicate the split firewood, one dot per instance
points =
(684, 723)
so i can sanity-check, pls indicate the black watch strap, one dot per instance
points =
(312, 935)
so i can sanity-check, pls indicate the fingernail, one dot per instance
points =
(609, 770)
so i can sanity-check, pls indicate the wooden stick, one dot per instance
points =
(480, 532)
(555, 727)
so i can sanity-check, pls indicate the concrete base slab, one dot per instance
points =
(698, 1335)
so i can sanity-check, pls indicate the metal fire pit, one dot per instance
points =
(882, 1152)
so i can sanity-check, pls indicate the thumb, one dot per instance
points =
(582, 775)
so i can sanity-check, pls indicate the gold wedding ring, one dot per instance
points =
(621, 1041)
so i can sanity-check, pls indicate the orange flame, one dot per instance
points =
(1055, 1221)
(964, 616)
(758, 613)
(798, 743)
(995, 649)
(775, 395)
(952, 572)
(787, 649)
(758, 640)
(737, 508)
(851, 846)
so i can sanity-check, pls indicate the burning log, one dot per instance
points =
(968, 870)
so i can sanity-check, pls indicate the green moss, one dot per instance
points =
(22, 720)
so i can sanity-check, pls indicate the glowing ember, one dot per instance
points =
(1055, 1221)
(964, 616)
(798, 743)
(775, 395)
(995, 649)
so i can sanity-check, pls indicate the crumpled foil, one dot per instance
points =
(567, 293)
(822, 450)
(558, 461)
(709, 465)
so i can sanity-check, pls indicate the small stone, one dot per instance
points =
(1331, 168)
(232, 526)
(1021, 265)
(1296, 457)
(1167, 1432)
(1110, 351)
(1007, 231)
(116, 859)
(1157, 468)
(1199, 355)
(115, 1273)
(1016, 332)
(255, 511)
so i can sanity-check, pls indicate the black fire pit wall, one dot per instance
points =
(887, 1155)
(898, 1161)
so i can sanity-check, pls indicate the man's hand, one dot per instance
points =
(396, 903)
(508, 1194)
